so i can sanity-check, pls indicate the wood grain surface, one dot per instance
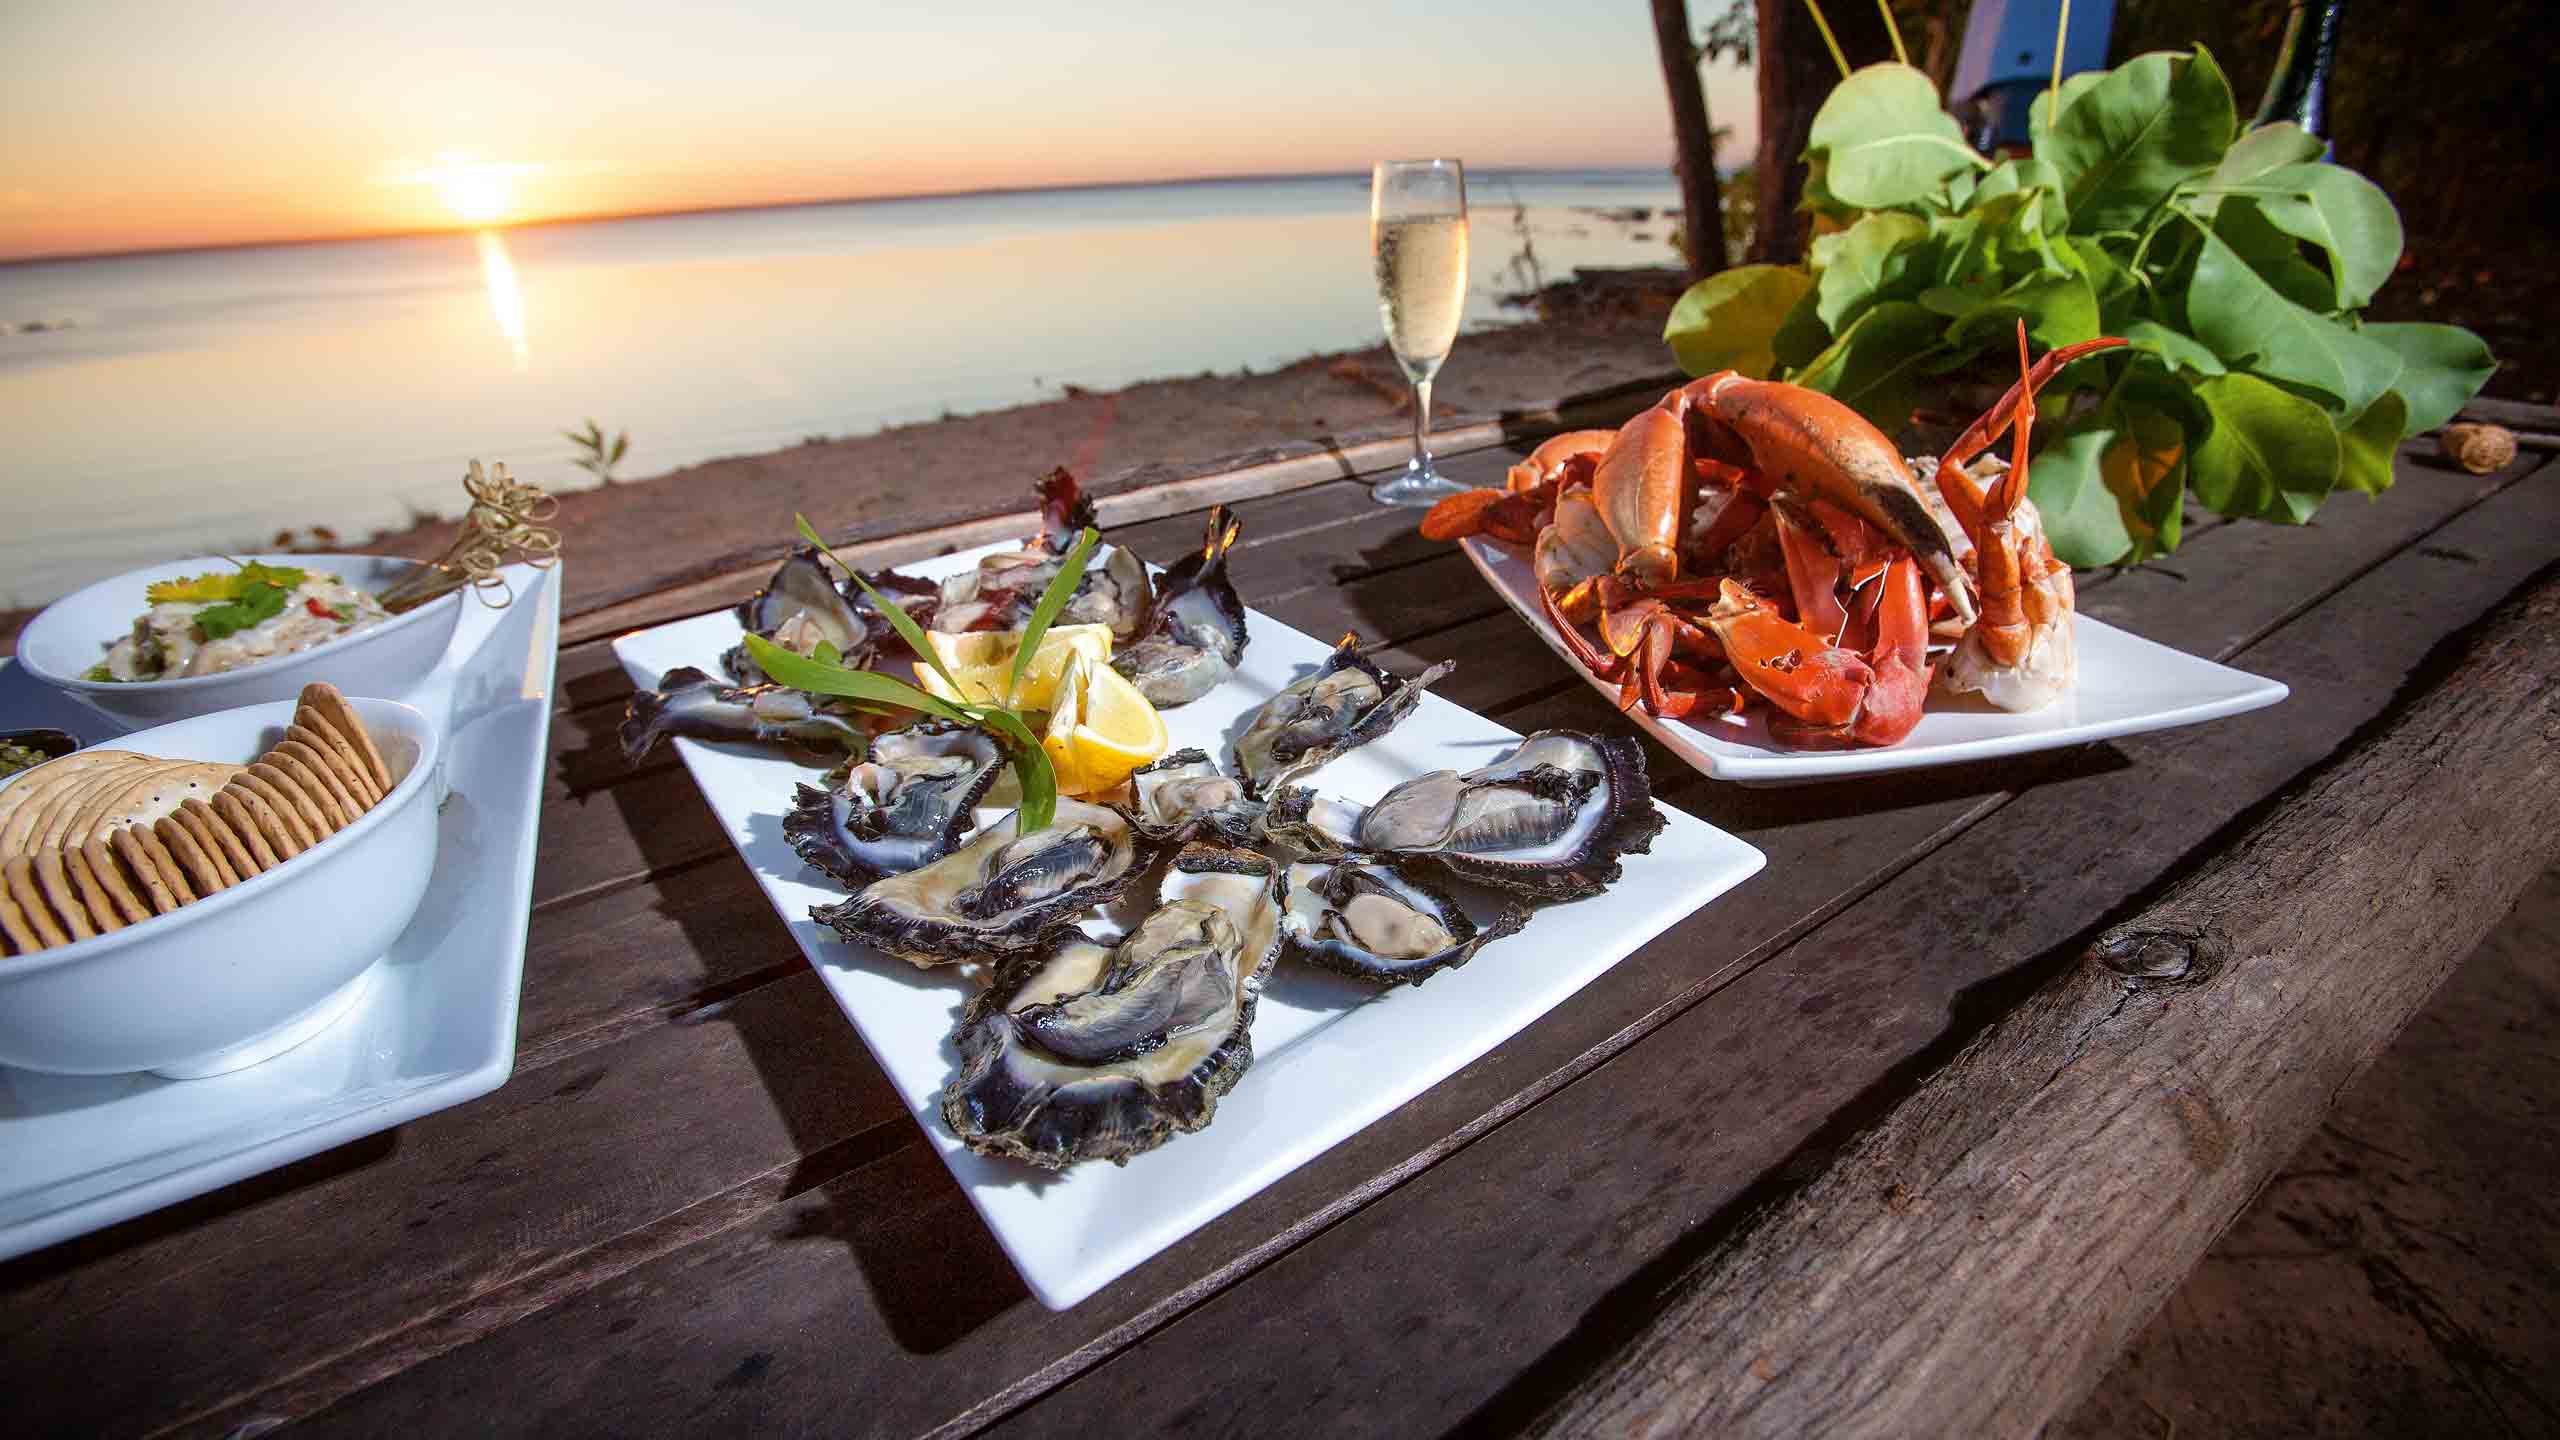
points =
(699, 1206)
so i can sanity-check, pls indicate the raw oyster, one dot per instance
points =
(691, 702)
(1376, 921)
(1101, 1053)
(1000, 894)
(1346, 703)
(1185, 797)
(803, 606)
(1003, 589)
(1194, 632)
(906, 805)
(1550, 819)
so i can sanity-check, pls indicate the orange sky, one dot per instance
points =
(142, 123)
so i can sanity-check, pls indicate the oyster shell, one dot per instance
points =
(803, 606)
(1185, 797)
(1000, 894)
(1003, 589)
(1377, 921)
(691, 702)
(1194, 631)
(1550, 819)
(1348, 702)
(1101, 1053)
(907, 804)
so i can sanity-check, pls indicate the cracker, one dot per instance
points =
(343, 760)
(285, 812)
(318, 810)
(265, 836)
(54, 879)
(203, 876)
(161, 886)
(145, 799)
(52, 825)
(19, 876)
(32, 783)
(13, 925)
(324, 700)
(43, 788)
(99, 859)
(105, 910)
(218, 838)
(320, 778)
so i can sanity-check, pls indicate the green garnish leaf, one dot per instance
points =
(258, 595)
(819, 678)
(1052, 600)
(899, 620)
(827, 653)
(1030, 765)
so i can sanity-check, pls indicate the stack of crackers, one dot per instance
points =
(101, 839)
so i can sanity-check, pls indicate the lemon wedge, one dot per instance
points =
(982, 661)
(1100, 728)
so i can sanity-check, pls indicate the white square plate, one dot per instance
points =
(436, 1027)
(2127, 685)
(1330, 1055)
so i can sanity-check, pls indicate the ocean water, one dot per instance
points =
(158, 405)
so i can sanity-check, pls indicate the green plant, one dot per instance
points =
(2235, 262)
(598, 455)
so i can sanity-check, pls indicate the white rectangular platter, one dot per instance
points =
(436, 1027)
(1330, 1055)
(2127, 685)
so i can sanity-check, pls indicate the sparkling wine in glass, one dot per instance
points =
(1418, 242)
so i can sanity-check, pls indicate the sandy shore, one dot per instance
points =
(640, 534)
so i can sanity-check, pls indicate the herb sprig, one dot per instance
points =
(1030, 762)
(249, 596)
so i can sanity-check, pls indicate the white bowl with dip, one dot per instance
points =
(61, 645)
(246, 973)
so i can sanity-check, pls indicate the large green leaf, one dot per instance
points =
(2265, 148)
(1729, 320)
(2143, 129)
(2048, 106)
(2276, 256)
(1879, 258)
(2081, 516)
(2180, 350)
(2120, 295)
(2023, 175)
(1802, 335)
(2441, 368)
(2059, 310)
(2271, 455)
(2364, 447)
(2338, 210)
(2232, 309)
(1885, 140)
(2159, 422)
(1878, 366)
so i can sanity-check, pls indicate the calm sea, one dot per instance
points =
(158, 405)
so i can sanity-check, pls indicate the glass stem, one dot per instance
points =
(1422, 426)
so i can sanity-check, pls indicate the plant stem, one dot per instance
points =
(1824, 25)
(2061, 32)
(1885, 8)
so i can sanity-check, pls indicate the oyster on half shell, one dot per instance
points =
(1194, 631)
(1549, 820)
(1097, 1052)
(1377, 921)
(1185, 797)
(1346, 703)
(1001, 894)
(907, 804)
(697, 704)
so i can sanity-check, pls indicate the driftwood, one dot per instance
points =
(2086, 1150)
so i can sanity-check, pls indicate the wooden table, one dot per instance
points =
(698, 1206)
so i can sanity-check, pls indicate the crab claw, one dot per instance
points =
(1830, 696)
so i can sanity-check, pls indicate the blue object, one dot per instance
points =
(2008, 60)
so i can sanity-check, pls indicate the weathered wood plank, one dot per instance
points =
(796, 1304)
(1971, 1264)
(1511, 1262)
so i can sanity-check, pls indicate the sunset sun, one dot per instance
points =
(477, 191)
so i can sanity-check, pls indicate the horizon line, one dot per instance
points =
(672, 212)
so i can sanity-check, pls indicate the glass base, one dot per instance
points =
(1419, 485)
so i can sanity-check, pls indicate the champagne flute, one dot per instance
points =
(1418, 242)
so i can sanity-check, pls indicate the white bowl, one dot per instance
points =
(249, 972)
(60, 645)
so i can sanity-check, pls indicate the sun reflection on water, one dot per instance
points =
(506, 298)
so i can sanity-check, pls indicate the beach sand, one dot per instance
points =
(641, 534)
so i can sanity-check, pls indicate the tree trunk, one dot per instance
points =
(1972, 1264)
(1796, 73)
(1702, 222)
